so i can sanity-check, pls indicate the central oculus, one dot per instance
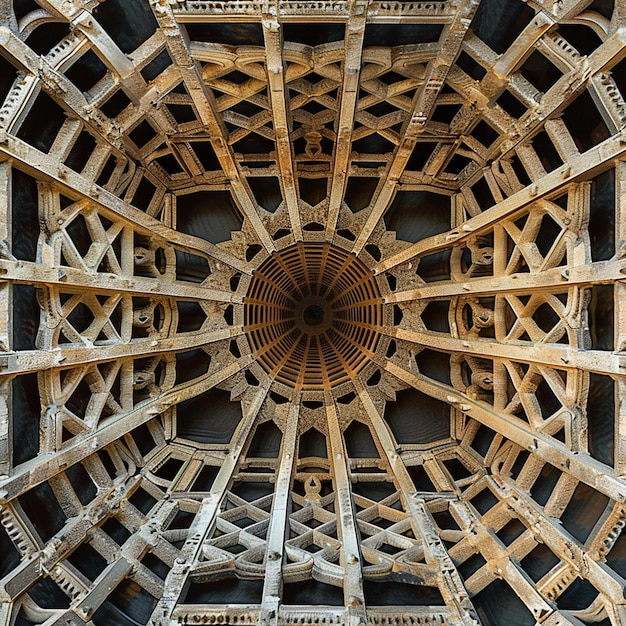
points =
(313, 315)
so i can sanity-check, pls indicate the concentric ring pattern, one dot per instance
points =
(313, 314)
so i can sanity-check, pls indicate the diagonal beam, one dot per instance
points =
(178, 48)
(142, 539)
(548, 355)
(557, 98)
(579, 166)
(354, 597)
(502, 562)
(564, 545)
(275, 64)
(40, 165)
(43, 74)
(277, 531)
(478, 536)
(600, 272)
(449, 46)
(75, 529)
(74, 279)
(203, 522)
(38, 470)
(580, 465)
(450, 581)
(23, 362)
(355, 30)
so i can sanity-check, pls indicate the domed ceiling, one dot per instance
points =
(312, 312)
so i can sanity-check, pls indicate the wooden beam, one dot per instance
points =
(347, 531)
(450, 581)
(178, 47)
(423, 105)
(581, 466)
(78, 280)
(557, 278)
(191, 551)
(275, 66)
(355, 31)
(43, 166)
(578, 168)
(277, 531)
(549, 355)
(45, 466)
(23, 362)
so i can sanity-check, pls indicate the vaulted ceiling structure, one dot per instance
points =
(312, 312)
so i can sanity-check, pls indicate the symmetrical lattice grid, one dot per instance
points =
(454, 453)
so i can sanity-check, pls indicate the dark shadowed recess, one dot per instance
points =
(392, 593)
(24, 7)
(128, 605)
(210, 215)
(44, 511)
(266, 190)
(497, 604)
(312, 443)
(313, 35)
(266, 441)
(544, 485)
(241, 34)
(401, 34)
(359, 441)
(499, 22)
(585, 508)
(225, 591)
(312, 190)
(48, 595)
(312, 592)
(420, 478)
(208, 418)
(128, 22)
(416, 418)
(601, 418)
(10, 555)
(602, 216)
(43, 123)
(539, 561)
(47, 36)
(593, 131)
(415, 215)
(360, 191)
(86, 71)
(87, 561)
(26, 314)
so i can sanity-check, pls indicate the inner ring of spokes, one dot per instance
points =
(313, 315)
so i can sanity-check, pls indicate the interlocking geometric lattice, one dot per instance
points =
(312, 312)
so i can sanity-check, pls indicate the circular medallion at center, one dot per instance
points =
(313, 315)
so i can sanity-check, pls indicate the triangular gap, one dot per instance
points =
(111, 375)
(518, 263)
(66, 435)
(514, 405)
